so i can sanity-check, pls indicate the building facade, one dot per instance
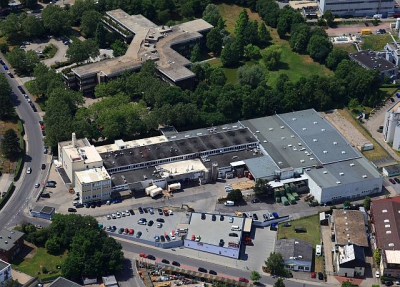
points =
(350, 261)
(11, 243)
(297, 254)
(5, 272)
(391, 127)
(357, 8)
(93, 185)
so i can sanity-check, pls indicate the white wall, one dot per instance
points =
(356, 8)
(4, 272)
(204, 247)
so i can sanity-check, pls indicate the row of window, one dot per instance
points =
(358, 2)
(94, 196)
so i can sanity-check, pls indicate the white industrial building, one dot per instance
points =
(5, 272)
(357, 8)
(391, 127)
(294, 147)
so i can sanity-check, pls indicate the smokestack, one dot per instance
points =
(73, 139)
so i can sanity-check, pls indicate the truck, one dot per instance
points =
(150, 188)
(366, 32)
(174, 186)
(153, 190)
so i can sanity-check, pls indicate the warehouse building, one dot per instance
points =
(357, 8)
(391, 126)
(371, 60)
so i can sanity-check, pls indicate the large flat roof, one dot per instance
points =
(220, 229)
(371, 61)
(350, 227)
(350, 171)
(8, 238)
(92, 175)
(262, 167)
(177, 148)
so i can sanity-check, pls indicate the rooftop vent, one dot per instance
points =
(325, 151)
(341, 173)
(282, 138)
(294, 119)
(279, 162)
(292, 136)
(386, 220)
(6, 242)
(304, 129)
(388, 232)
(271, 129)
(322, 130)
(315, 140)
(315, 123)
(302, 160)
(343, 152)
(338, 182)
(384, 211)
(282, 127)
(311, 158)
(352, 164)
(335, 143)
(299, 144)
(387, 225)
(348, 235)
(289, 145)
(364, 176)
(325, 172)
(296, 242)
(391, 244)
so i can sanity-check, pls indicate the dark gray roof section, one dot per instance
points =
(3, 265)
(170, 149)
(325, 142)
(355, 257)
(48, 209)
(8, 238)
(62, 282)
(294, 248)
(280, 142)
(371, 61)
(393, 168)
(262, 167)
(226, 159)
(110, 281)
(351, 171)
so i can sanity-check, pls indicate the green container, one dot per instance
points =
(278, 199)
(296, 196)
(291, 198)
(284, 200)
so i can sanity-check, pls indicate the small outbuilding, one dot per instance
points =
(297, 254)
(45, 212)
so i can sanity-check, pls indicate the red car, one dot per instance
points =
(242, 279)
(392, 180)
(166, 213)
(313, 275)
(131, 231)
(144, 255)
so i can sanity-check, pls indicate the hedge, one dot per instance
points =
(9, 192)
(20, 163)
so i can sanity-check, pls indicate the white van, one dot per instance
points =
(235, 228)
(318, 250)
(229, 203)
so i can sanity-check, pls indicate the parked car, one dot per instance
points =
(138, 234)
(127, 213)
(287, 224)
(233, 234)
(162, 238)
(37, 185)
(29, 170)
(320, 276)
(397, 180)
(255, 217)
(71, 209)
(156, 238)
(256, 200)
(388, 283)
(213, 217)
(45, 195)
(242, 279)
(151, 222)
(160, 212)
(201, 269)
(203, 216)
(160, 220)
(43, 166)
(167, 237)
(165, 261)
(166, 213)
(131, 212)
(392, 181)
(221, 218)
(151, 257)
(140, 210)
(175, 263)
(212, 272)
(159, 225)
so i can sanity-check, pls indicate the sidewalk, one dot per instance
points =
(5, 180)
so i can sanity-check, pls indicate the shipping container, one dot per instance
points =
(284, 200)
(291, 198)
(296, 196)
(278, 199)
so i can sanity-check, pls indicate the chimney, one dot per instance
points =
(73, 139)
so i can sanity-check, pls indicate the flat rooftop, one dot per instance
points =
(371, 61)
(88, 154)
(392, 256)
(3, 265)
(321, 138)
(181, 167)
(262, 167)
(225, 159)
(8, 238)
(130, 144)
(219, 229)
(177, 148)
(133, 23)
(350, 227)
(346, 172)
(79, 143)
(92, 175)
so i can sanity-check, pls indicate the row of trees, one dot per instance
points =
(91, 252)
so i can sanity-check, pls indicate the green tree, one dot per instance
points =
(251, 75)
(211, 14)
(32, 27)
(328, 16)
(353, 104)
(263, 35)
(299, 37)
(46, 80)
(377, 256)
(53, 246)
(4, 3)
(79, 8)
(100, 35)
(241, 23)
(29, 3)
(214, 41)
(10, 144)
(31, 60)
(119, 48)
(269, 11)
(367, 203)
(252, 52)
(17, 58)
(90, 20)
(335, 57)
(319, 48)
(235, 195)
(230, 54)
(255, 276)
(279, 283)
(6, 105)
(285, 21)
(187, 9)
(275, 263)
(195, 55)
(10, 26)
(347, 284)
(11, 283)
(217, 77)
(262, 188)
(55, 19)
(79, 52)
(272, 57)
(346, 203)
(163, 15)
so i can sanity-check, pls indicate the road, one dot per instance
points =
(12, 213)
(220, 269)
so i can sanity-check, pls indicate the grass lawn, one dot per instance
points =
(313, 235)
(33, 265)
(389, 91)
(378, 152)
(376, 42)
(347, 47)
(293, 64)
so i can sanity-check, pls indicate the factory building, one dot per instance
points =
(357, 8)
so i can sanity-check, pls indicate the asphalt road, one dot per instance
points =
(12, 213)
(220, 269)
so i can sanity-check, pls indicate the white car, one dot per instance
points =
(114, 216)
(37, 185)
(28, 170)
(230, 219)
(123, 214)
(170, 212)
(108, 217)
(118, 215)
(127, 213)
(159, 225)
(377, 274)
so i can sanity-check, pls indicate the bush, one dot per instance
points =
(9, 192)
(44, 270)
(20, 163)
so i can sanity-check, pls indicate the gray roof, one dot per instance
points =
(353, 256)
(325, 142)
(63, 282)
(351, 171)
(9, 236)
(294, 248)
(220, 229)
(392, 168)
(48, 209)
(3, 265)
(110, 281)
(370, 60)
(261, 167)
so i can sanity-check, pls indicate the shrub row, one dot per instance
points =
(20, 163)
(9, 192)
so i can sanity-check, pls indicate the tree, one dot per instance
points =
(23, 61)
(10, 26)
(55, 19)
(367, 203)
(230, 55)
(279, 283)
(119, 48)
(262, 188)
(335, 57)
(11, 283)
(241, 23)
(328, 16)
(284, 21)
(251, 75)
(275, 263)
(214, 41)
(100, 35)
(211, 14)
(89, 22)
(319, 48)
(52, 246)
(195, 55)
(263, 35)
(252, 52)
(377, 256)
(79, 8)
(269, 11)
(217, 77)
(81, 51)
(255, 276)
(32, 27)
(353, 104)
(346, 203)
(272, 57)
(235, 195)
(299, 37)
(29, 3)
(6, 105)
(347, 284)
(10, 144)
(31, 60)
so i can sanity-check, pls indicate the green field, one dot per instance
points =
(351, 48)
(293, 64)
(376, 42)
(313, 235)
(33, 266)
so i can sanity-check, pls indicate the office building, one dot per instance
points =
(357, 8)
